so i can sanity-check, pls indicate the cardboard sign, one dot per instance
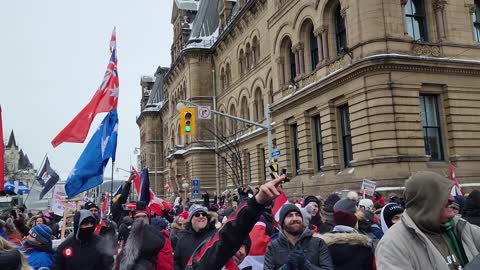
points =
(368, 187)
(56, 202)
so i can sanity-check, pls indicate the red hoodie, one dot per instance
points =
(165, 256)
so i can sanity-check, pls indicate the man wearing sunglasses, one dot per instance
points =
(198, 228)
(229, 246)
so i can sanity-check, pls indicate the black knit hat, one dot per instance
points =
(330, 202)
(390, 211)
(90, 205)
(287, 208)
(310, 199)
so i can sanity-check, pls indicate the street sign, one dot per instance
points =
(204, 112)
(195, 192)
(276, 153)
(195, 183)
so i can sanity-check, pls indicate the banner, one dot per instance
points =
(368, 187)
(56, 202)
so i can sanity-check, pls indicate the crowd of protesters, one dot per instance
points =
(425, 228)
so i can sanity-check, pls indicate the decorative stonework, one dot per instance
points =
(426, 50)
(338, 64)
(439, 4)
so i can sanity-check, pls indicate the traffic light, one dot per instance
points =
(187, 121)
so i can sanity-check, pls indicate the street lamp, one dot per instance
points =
(185, 188)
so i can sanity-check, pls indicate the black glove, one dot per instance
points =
(296, 259)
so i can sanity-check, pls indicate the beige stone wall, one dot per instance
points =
(382, 92)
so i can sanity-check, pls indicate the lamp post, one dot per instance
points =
(185, 188)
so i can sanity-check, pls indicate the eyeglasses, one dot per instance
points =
(198, 214)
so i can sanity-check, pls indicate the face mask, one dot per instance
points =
(85, 233)
(27, 243)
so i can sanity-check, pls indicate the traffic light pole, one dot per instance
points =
(268, 126)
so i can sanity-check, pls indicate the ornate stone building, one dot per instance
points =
(17, 164)
(371, 89)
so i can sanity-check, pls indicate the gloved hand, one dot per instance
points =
(296, 259)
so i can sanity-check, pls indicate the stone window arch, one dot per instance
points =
(222, 126)
(232, 123)
(255, 50)
(241, 62)
(248, 57)
(244, 110)
(309, 40)
(340, 31)
(222, 80)
(259, 105)
(287, 61)
(179, 136)
(228, 75)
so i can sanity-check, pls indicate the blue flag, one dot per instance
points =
(88, 171)
(144, 195)
(17, 187)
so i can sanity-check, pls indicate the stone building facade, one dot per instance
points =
(372, 89)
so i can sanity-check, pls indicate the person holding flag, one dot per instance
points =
(117, 209)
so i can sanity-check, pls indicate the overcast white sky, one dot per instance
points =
(53, 55)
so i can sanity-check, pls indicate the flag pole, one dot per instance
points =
(111, 189)
(31, 184)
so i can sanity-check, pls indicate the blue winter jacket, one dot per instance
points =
(39, 260)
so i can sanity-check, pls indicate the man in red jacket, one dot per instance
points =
(165, 256)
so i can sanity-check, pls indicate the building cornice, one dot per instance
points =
(381, 62)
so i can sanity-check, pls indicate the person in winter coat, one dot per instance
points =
(346, 242)
(143, 244)
(296, 248)
(391, 214)
(471, 210)
(165, 256)
(177, 227)
(429, 236)
(117, 209)
(83, 250)
(198, 228)
(377, 197)
(3, 234)
(11, 258)
(38, 247)
(327, 214)
(367, 226)
(13, 235)
(316, 220)
(230, 245)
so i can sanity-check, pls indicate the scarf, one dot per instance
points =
(448, 229)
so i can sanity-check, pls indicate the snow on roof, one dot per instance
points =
(188, 4)
(205, 25)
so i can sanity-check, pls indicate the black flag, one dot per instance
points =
(47, 177)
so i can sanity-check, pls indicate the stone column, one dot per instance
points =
(297, 61)
(281, 70)
(324, 31)
(301, 58)
(439, 7)
(318, 34)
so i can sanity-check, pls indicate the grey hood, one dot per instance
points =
(79, 218)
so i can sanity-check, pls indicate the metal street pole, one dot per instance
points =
(215, 122)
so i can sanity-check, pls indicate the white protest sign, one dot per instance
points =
(368, 187)
(56, 202)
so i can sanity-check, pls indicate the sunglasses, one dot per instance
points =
(203, 214)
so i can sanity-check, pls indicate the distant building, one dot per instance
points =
(357, 89)
(17, 164)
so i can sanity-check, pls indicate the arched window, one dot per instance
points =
(415, 20)
(244, 111)
(256, 50)
(222, 80)
(241, 62)
(222, 126)
(228, 74)
(288, 60)
(476, 20)
(311, 47)
(340, 31)
(232, 123)
(248, 57)
(259, 106)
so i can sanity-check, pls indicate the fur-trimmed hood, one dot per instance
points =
(353, 239)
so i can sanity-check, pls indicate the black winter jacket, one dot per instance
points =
(117, 210)
(213, 254)
(188, 240)
(73, 255)
(349, 251)
(315, 249)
